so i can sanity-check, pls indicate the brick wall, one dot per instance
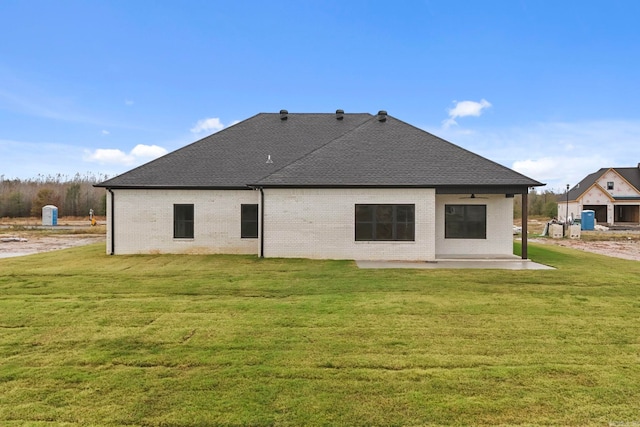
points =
(320, 223)
(144, 221)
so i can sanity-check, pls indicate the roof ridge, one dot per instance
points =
(318, 147)
(289, 113)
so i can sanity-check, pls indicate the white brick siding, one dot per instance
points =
(144, 221)
(320, 223)
(499, 239)
(299, 223)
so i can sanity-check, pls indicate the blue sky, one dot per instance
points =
(549, 88)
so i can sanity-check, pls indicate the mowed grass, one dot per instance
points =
(165, 340)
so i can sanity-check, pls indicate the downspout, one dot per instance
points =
(525, 229)
(261, 223)
(113, 223)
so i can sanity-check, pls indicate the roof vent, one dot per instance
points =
(283, 114)
(269, 158)
(382, 116)
(339, 114)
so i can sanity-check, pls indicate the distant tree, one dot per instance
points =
(102, 206)
(517, 206)
(45, 196)
(539, 204)
(15, 205)
(72, 200)
(550, 209)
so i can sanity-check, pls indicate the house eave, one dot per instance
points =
(627, 198)
(484, 189)
(440, 189)
(172, 187)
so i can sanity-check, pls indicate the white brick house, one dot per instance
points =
(343, 186)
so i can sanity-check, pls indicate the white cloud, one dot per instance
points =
(211, 124)
(560, 170)
(128, 102)
(139, 154)
(464, 109)
(142, 151)
(105, 132)
(555, 153)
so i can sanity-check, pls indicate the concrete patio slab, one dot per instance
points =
(484, 263)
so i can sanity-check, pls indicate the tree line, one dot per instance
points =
(539, 204)
(73, 196)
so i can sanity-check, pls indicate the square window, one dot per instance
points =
(465, 222)
(610, 185)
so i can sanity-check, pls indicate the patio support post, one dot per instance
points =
(525, 216)
(261, 222)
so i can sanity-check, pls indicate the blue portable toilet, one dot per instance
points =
(588, 220)
(49, 215)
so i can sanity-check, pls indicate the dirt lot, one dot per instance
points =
(37, 244)
(629, 249)
(616, 243)
(26, 236)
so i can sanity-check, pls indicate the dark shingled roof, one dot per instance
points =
(318, 150)
(584, 185)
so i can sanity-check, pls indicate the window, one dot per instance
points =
(249, 221)
(610, 185)
(385, 222)
(183, 221)
(465, 222)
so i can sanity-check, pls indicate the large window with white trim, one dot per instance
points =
(465, 222)
(385, 222)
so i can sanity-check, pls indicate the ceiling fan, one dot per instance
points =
(473, 196)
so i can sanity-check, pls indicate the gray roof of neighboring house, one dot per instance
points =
(319, 150)
(586, 182)
(631, 174)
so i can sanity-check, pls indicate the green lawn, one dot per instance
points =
(162, 340)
